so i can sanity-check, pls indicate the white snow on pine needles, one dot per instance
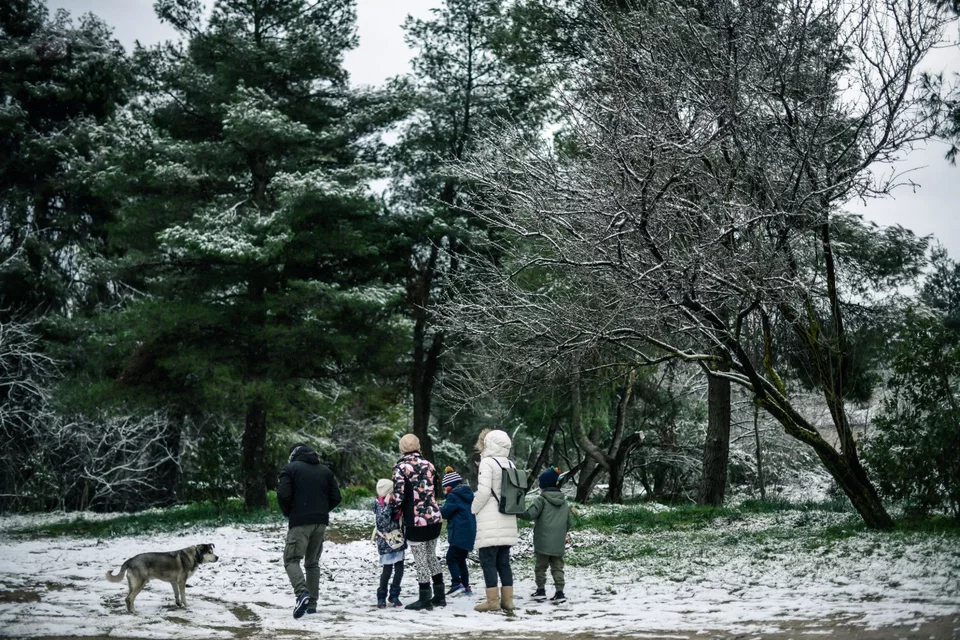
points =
(752, 574)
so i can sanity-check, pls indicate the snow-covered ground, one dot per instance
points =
(747, 575)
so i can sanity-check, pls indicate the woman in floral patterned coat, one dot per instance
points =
(414, 485)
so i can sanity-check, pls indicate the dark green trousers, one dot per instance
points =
(304, 543)
(556, 570)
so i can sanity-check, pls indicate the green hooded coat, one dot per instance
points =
(550, 514)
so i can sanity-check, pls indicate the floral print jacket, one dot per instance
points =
(414, 485)
(386, 522)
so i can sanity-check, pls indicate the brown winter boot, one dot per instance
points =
(506, 598)
(492, 603)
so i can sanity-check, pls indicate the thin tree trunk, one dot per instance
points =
(425, 364)
(545, 450)
(716, 449)
(169, 473)
(756, 435)
(425, 359)
(254, 447)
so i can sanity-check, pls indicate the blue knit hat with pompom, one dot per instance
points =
(550, 478)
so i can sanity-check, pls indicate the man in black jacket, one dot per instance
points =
(307, 491)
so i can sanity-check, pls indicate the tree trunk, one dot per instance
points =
(425, 363)
(589, 469)
(615, 488)
(615, 492)
(587, 481)
(845, 467)
(169, 473)
(645, 481)
(595, 456)
(426, 359)
(716, 449)
(852, 479)
(756, 435)
(545, 450)
(254, 446)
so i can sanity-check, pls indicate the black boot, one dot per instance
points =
(439, 595)
(424, 601)
(394, 598)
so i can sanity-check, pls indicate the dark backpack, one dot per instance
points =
(514, 485)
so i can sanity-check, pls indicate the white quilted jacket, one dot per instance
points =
(494, 529)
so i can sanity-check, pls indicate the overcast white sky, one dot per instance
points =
(931, 208)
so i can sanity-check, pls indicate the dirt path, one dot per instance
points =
(946, 628)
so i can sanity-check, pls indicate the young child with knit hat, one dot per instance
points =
(390, 544)
(550, 514)
(461, 529)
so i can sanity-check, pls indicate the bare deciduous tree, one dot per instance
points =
(699, 183)
(81, 462)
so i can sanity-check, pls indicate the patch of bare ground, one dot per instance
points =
(944, 628)
(19, 595)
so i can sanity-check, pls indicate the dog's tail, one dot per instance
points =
(117, 578)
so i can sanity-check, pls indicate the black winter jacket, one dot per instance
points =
(307, 491)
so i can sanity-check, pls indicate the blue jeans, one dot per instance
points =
(457, 564)
(495, 561)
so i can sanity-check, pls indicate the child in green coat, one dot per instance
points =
(550, 514)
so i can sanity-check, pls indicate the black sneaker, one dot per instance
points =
(558, 597)
(300, 608)
(539, 594)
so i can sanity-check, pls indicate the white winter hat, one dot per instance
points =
(384, 487)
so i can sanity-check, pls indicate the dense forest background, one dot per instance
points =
(617, 230)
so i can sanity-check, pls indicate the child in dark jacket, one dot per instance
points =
(550, 514)
(461, 529)
(389, 537)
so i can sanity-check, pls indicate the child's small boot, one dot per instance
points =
(381, 598)
(492, 603)
(395, 595)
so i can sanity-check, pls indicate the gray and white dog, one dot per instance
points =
(170, 566)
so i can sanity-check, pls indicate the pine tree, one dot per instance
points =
(244, 220)
(476, 62)
(58, 80)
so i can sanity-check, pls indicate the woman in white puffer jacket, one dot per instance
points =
(496, 532)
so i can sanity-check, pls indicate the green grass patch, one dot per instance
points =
(934, 524)
(356, 496)
(175, 518)
(778, 505)
(205, 513)
(637, 518)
